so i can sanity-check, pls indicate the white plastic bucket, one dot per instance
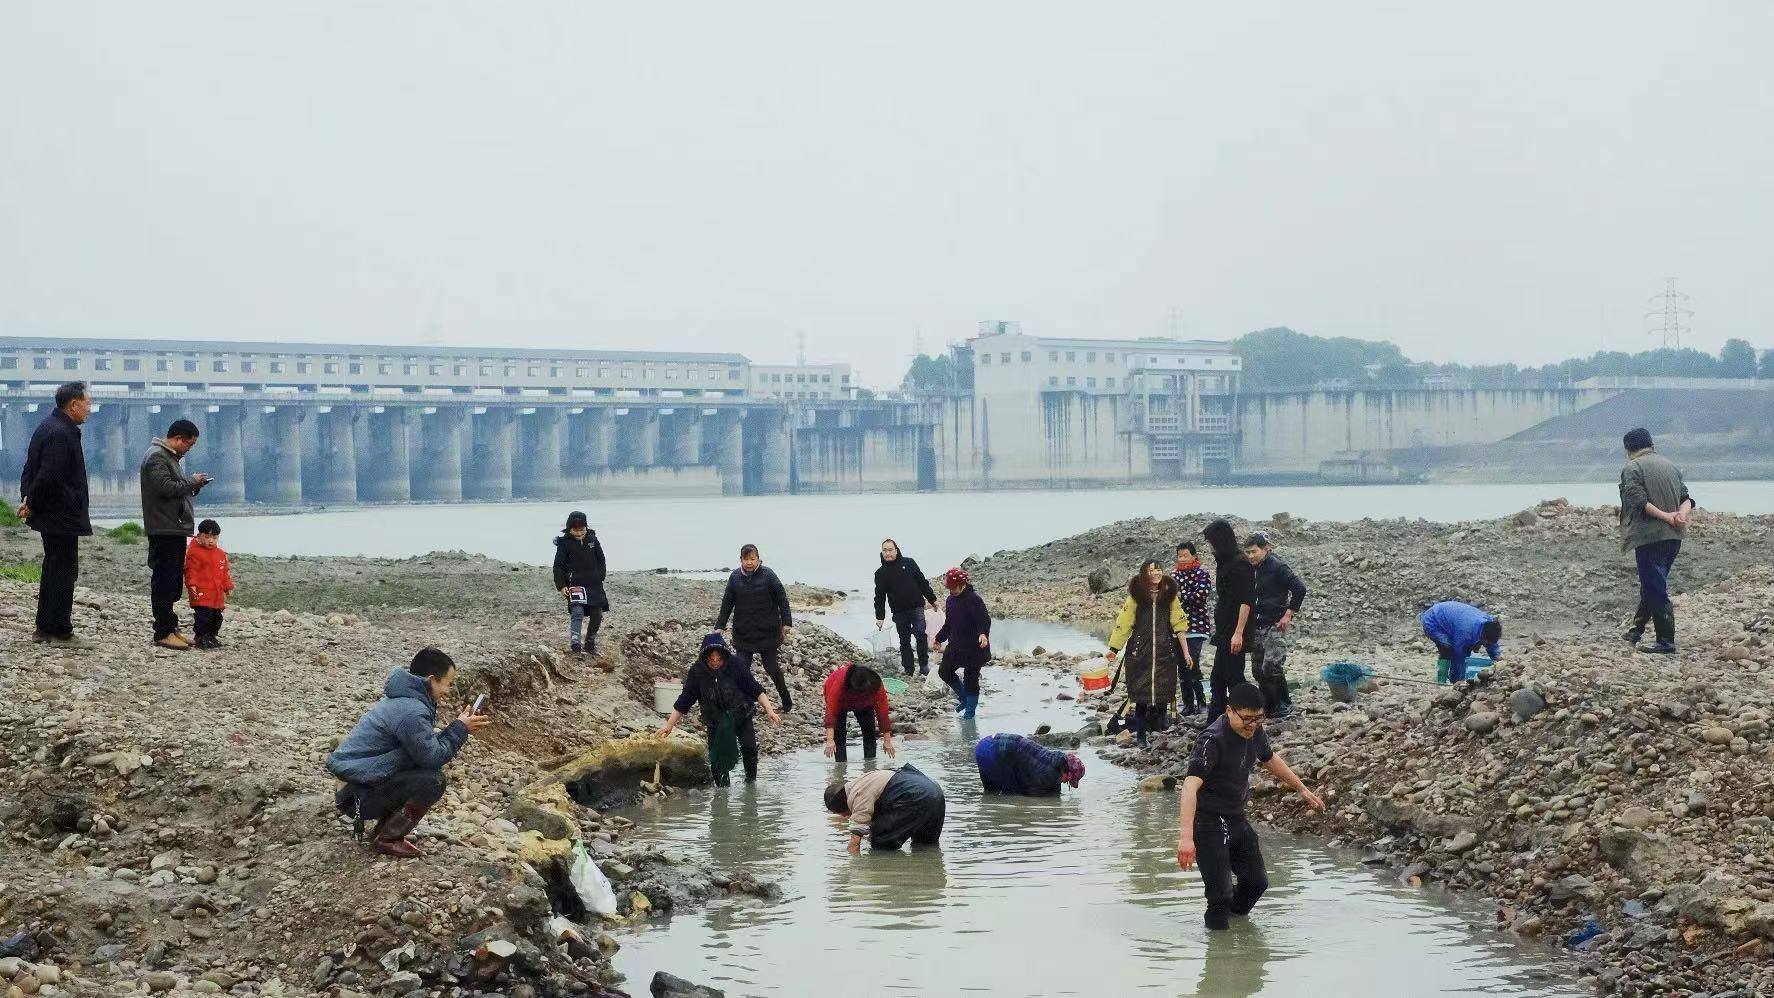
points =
(665, 693)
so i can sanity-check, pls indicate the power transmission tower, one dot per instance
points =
(1673, 312)
(800, 348)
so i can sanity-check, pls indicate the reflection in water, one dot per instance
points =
(1075, 895)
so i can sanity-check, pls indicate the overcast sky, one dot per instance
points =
(1476, 182)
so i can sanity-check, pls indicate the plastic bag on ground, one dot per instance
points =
(934, 683)
(590, 883)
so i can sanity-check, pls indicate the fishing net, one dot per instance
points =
(723, 746)
(1344, 673)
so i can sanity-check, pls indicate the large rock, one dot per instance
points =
(1482, 722)
(1526, 703)
(608, 776)
(1100, 581)
(666, 986)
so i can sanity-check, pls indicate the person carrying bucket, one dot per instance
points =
(1017, 764)
(729, 697)
(1154, 630)
(1212, 829)
(1458, 630)
(856, 689)
(964, 640)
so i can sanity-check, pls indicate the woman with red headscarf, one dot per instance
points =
(964, 640)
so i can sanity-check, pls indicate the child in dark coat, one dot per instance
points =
(579, 575)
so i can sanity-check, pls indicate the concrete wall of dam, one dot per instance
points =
(1296, 432)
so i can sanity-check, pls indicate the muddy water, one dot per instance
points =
(1074, 895)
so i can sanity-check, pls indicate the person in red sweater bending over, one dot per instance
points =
(856, 689)
(209, 582)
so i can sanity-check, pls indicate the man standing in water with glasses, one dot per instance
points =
(1212, 828)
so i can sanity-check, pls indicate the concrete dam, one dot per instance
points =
(286, 450)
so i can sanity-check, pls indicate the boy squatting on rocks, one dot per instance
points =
(1212, 829)
(392, 761)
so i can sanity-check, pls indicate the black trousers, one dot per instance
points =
(911, 808)
(1228, 671)
(1654, 562)
(772, 668)
(963, 678)
(865, 719)
(55, 588)
(1189, 677)
(1231, 861)
(207, 622)
(166, 564)
(912, 630)
(424, 787)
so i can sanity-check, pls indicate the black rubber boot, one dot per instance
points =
(749, 756)
(1216, 917)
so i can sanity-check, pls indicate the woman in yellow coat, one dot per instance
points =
(1154, 630)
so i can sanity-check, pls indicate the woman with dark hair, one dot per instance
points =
(856, 689)
(757, 604)
(1235, 596)
(1155, 631)
(964, 640)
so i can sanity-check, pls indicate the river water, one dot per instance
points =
(1071, 895)
(832, 540)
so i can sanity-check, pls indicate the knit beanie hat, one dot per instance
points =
(1073, 769)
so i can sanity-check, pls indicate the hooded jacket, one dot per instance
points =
(1235, 582)
(207, 575)
(727, 690)
(397, 735)
(901, 586)
(166, 493)
(758, 606)
(53, 482)
(581, 563)
(1148, 627)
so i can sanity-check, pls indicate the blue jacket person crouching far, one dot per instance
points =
(1458, 630)
(392, 761)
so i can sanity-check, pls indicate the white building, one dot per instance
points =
(1104, 409)
(802, 381)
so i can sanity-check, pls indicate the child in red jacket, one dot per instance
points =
(207, 577)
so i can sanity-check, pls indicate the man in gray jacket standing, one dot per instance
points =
(1654, 512)
(169, 522)
(392, 761)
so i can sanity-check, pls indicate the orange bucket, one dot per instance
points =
(1095, 679)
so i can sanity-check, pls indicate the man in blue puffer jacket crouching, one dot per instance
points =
(392, 761)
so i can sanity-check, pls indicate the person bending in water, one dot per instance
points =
(730, 697)
(1016, 764)
(1212, 829)
(889, 807)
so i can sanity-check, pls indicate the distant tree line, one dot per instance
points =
(1280, 357)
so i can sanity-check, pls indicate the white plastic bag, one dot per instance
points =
(934, 683)
(590, 883)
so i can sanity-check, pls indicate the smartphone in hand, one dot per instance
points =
(480, 703)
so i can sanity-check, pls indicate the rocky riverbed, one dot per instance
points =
(1616, 803)
(166, 824)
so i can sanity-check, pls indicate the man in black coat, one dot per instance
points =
(757, 603)
(901, 586)
(53, 502)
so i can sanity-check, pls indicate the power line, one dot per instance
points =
(1672, 312)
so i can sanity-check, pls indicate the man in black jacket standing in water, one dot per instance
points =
(758, 606)
(901, 586)
(1212, 829)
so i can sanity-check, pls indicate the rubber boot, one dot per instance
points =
(391, 833)
(1216, 917)
(960, 696)
(1664, 619)
(749, 756)
(969, 705)
(1641, 617)
(1441, 671)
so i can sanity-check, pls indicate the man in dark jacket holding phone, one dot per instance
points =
(169, 522)
(392, 761)
(757, 603)
(52, 491)
(900, 585)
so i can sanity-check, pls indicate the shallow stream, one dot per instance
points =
(1071, 895)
